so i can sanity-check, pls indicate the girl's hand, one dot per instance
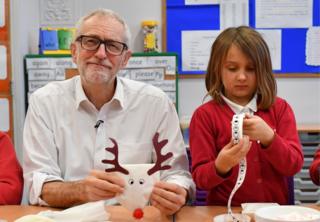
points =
(257, 129)
(231, 154)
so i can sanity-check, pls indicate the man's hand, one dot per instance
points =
(168, 197)
(98, 185)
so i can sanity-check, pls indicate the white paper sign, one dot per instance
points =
(60, 74)
(313, 47)
(147, 74)
(137, 62)
(34, 85)
(284, 13)
(2, 13)
(4, 115)
(196, 47)
(39, 63)
(201, 2)
(273, 40)
(3, 62)
(63, 63)
(234, 13)
(41, 74)
(168, 62)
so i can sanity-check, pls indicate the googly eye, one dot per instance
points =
(141, 181)
(131, 181)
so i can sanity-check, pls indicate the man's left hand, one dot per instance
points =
(168, 197)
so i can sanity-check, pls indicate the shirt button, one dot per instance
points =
(259, 180)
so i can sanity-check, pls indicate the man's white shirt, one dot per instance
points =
(61, 142)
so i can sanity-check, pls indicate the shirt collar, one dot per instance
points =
(81, 96)
(251, 107)
(119, 93)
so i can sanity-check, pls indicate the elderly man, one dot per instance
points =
(69, 123)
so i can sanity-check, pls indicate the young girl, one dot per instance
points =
(314, 169)
(239, 79)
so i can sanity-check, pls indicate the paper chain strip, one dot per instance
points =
(236, 128)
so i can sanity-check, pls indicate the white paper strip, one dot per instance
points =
(2, 14)
(137, 62)
(201, 2)
(34, 85)
(41, 74)
(169, 62)
(148, 74)
(3, 62)
(63, 63)
(313, 46)
(4, 115)
(39, 63)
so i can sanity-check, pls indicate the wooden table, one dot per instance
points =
(201, 213)
(206, 213)
(118, 213)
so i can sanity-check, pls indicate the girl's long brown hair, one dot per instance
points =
(251, 43)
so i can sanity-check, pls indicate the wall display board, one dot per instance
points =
(158, 69)
(182, 17)
(5, 70)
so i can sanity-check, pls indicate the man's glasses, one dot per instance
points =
(91, 43)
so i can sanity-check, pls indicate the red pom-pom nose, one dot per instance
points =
(138, 213)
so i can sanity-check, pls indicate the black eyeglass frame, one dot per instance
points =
(105, 42)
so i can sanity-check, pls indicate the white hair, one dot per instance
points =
(106, 13)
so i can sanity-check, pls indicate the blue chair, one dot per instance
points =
(290, 190)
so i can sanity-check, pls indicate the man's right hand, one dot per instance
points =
(98, 185)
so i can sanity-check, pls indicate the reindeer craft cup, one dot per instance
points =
(139, 178)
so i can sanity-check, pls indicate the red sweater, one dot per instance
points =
(314, 169)
(267, 168)
(11, 180)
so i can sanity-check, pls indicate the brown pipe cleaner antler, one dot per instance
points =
(160, 158)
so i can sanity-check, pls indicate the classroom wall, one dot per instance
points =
(25, 22)
(302, 93)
